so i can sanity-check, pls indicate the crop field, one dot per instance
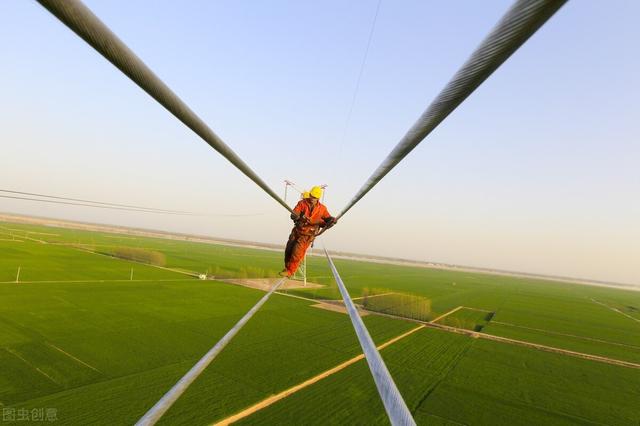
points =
(468, 319)
(99, 326)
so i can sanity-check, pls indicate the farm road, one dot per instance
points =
(480, 335)
(275, 398)
(538, 346)
(591, 339)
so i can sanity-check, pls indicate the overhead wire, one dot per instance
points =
(69, 203)
(359, 79)
(519, 23)
(156, 412)
(32, 194)
(75, 15)
(139, 210)
(394, 404)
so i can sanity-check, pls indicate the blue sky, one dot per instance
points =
(537, 171)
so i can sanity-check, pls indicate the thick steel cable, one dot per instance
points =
(75, 15)
(161, 407)
(394, 405)
(520, 22)
(32, 194)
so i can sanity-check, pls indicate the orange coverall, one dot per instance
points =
(303, 233)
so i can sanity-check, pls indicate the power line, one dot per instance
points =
(161, 407)
(394, 405)
(519, 23)
(110, 207)
(75, 15)
(69, 203)
(360, 72)
(95, 202)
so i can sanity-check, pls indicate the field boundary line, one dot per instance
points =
(545, 348)
(73, 357)
(481, 335)
(477, 309)
(615, 310)
(17, 355)
(287, 392)
(592, 339)
(476, 334)
(157, 411)
(95, 281)
(372, 296)
(433, 321)
(179, 271)
(297, 297)
(24, 236)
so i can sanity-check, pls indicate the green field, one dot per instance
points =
(78, 335)
(468, 319)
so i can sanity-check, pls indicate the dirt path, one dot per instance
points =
(334, 307)
(275, 398)
(446, 314)
(545, 348)
(591, 339)
(266, 283)
(372, 296)
(480, 335)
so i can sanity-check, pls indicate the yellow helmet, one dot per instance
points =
(305, 195)
(316, 192)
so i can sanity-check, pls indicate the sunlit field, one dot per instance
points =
(96, 327)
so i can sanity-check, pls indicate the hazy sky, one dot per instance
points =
(538, 171)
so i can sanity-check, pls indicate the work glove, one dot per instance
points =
(301, 218)
(330, 221)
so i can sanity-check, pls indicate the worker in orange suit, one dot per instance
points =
(309, 215)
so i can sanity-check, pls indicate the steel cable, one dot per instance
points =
(155, 413)
(100, 203)
(130, 209)
(394, 405)
(519, 23)
(75, 15)
(97, 206)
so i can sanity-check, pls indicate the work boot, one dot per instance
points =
(284, 273)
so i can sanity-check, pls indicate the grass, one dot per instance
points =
(417, 363)
(496, 383)
(468, 319)
(77, 335)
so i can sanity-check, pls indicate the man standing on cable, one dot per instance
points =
(309, 215)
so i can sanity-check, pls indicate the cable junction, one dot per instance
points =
(519, 23)
(394, 405)
(75, 15)
(161, 407)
